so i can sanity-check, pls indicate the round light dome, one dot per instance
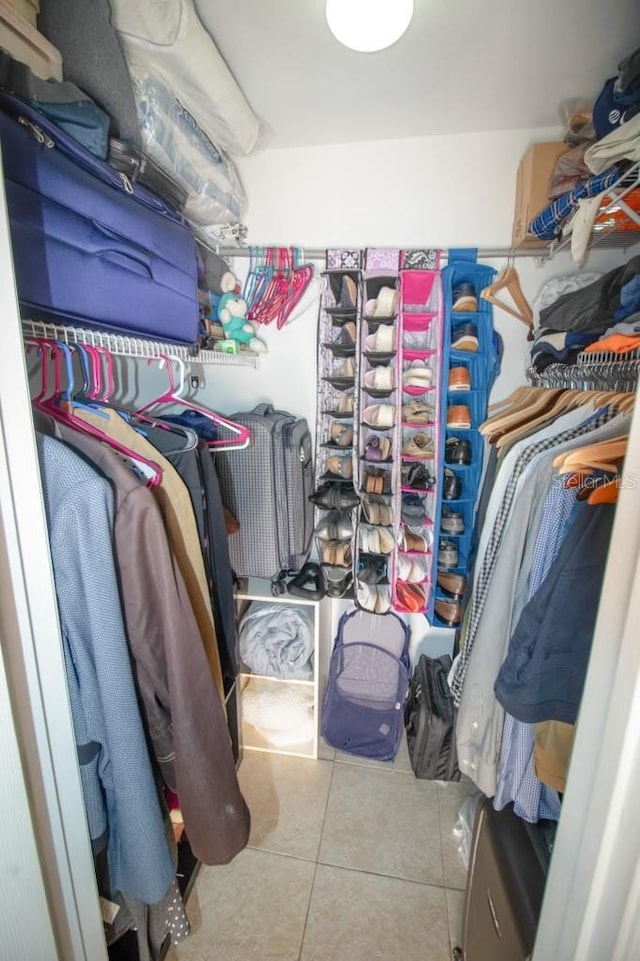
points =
(368, 25)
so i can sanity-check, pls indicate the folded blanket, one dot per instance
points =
(277, 640)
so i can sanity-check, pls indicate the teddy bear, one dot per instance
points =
(232, 312)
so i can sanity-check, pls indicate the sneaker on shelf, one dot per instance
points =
(459, 416)
(465, 337)
(464, 298)
(459, 378)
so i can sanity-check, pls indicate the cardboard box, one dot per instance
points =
(532, 189)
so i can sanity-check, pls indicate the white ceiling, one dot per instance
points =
(463, 65)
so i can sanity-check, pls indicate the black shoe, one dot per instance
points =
(465, 337)
(339, 497)
(451, 486)
(457, 451)
(337, 581)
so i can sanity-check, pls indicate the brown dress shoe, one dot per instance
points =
(450, 612)
(453, 584)
(459, 379)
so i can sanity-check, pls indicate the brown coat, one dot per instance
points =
(185, 718)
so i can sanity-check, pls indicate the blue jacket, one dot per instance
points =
(543, 675)
(120, 794)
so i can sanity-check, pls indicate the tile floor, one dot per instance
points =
(348, 860)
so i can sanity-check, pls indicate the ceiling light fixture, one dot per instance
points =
(368, 25)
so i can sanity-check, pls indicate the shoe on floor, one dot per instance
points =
(459, 416)
(459, 378)
(464, 298)
(465, 337)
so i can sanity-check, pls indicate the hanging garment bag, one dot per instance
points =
(89, 247)
(267, 486)
(429, 719)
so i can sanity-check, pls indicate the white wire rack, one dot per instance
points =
(123, 346)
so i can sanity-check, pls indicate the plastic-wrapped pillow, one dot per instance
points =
(172, 138)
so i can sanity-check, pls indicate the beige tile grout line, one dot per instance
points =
(444, 873)
(315, 869)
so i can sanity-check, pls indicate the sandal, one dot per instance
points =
(341, 434)
(410, 540)
(415, 412)
(382, 342)
(375, 481)
(336, 553)
(379, 415)
(411, 597)
(377, 449)
(340, 465)
(419, 445)
(381, 378)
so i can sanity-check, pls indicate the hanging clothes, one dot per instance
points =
(501, 588)
(177, 512)
(185, 719)
(121, 800)
(197, 470)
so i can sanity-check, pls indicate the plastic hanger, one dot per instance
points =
(509, 280)
(172, 396)
(63, 412)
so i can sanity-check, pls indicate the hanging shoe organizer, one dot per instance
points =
(419, 437)
(471, 364)
(335, 496)
(375, 455)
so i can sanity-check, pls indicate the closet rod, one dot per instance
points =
(319, 253)
(123, 346)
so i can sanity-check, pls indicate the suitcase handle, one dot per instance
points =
(121, 252)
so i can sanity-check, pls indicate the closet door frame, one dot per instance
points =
(591, 908)
(38, 715)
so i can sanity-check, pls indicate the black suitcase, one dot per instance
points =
(429, 720)
(508, 868)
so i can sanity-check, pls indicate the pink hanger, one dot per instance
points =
(50, 406)
(170, 396)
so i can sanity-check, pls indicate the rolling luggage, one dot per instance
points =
(429, 719)
(89, 247)
(508, 868)
(266, 487)
(140, 168)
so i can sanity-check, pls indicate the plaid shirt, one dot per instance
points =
(485, 575)
(549, 223)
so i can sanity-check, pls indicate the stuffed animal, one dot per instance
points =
(232, 312)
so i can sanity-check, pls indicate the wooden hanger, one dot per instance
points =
(523, 400)
(534, 404)
(509, 280)
(513, 398)
(567, 400)
(600, 455)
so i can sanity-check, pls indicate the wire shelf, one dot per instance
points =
(124, 346)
